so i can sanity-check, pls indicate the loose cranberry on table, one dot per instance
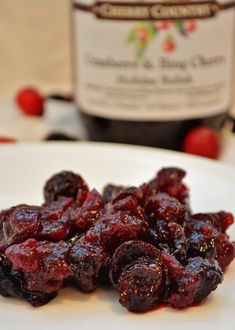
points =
(30, 101)
(202, 141)
(7, 139)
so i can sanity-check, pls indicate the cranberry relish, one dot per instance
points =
(142, 240)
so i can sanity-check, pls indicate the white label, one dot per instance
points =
(153, 70)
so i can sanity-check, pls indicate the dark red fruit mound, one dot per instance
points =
(57, 220)
(66, 184)
(143, 240)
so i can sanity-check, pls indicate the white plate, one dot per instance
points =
(23, 171)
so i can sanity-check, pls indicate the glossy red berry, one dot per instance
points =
(30, 101)
(202, 141)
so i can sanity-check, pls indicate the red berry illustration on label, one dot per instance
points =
(143, 34)
(169, 45)
(190, 26)
(164, 25)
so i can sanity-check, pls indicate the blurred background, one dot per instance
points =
(36, 50)
(35, 45)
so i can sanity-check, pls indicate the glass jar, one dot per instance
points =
(148, 71)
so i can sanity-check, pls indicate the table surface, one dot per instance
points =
(63, 117)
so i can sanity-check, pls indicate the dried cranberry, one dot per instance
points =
(181, 286)
(87, 215)
(54, 225)
(44, 264)
(169, 237)
(89, 263)
(127, 199)
(18, 223)
(117, 228)
(206, 241)
(220, 220)
(110, 191)
(169, 181)
(64, 183)
(164, 207)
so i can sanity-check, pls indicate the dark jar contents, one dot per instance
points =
(149, 82)
(165, 134)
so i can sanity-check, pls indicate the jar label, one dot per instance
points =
(149, 60)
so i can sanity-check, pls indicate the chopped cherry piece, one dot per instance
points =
(208, 273)
(18, 223)
(169, 237)
(44, 264)
(89, 212)
(129, 253)
(117, 228)
(191, 284)
(110, 191)
(163, 207)
(136, 270)
(24, 256)
(65, 184)
(220, 220)
(89, 264)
